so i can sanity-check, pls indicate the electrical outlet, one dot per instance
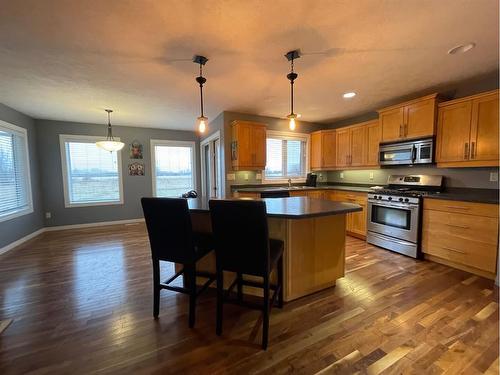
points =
(258, 176)
(231, 177)
(371, 175)
(48, 215)
(341, 174)
(494, 176)
(246, 176)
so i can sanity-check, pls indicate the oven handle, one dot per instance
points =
(413, 154)
(403, 206)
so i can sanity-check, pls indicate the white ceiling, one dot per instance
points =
(68, 60)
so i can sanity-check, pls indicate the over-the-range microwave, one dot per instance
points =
(407, 153)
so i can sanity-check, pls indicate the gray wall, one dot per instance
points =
(134, 187)
(16, 228)
(454, 177)
(272, 124)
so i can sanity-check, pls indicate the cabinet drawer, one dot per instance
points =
(469, 208)
(466, 239)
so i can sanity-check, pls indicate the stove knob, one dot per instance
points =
(375, 197)
(390, 198)
(407, 199)
(400, 199)
(379, 197)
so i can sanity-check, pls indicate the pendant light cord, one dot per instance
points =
(201, 91)
(110, 133)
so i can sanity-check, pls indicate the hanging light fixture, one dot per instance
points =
(202, 120)
(292, 76)
(110, 144)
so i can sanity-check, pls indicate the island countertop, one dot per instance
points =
(290, 207)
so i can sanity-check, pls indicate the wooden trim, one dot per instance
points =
(357, 235)
(469, 163)
(409, 102)
(467, 98)
(235, 122)
(21, 240)
(460, 266)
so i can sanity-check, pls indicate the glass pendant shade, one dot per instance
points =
(291, 123)
(110, 145)
(202, 124)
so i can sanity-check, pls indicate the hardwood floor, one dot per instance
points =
(80, 301)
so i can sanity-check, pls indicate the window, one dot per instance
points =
(15, 184)
(173, 168)
(91, 175)
(286, 156)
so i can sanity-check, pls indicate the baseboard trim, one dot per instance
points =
(36, 233)
(90, 225)
(20, 241)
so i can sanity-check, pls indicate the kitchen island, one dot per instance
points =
(314, 234)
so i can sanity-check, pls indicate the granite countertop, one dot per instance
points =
(467, 195)
(266, 189)
(290, 208)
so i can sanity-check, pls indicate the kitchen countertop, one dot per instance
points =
(467, 195)
(290, 208)
(362, 189)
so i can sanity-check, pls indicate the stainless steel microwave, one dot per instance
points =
(407, 153)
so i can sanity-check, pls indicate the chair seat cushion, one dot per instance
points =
(276, 248)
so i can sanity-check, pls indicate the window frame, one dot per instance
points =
(292, 136)
(63, 138)
(23, 132)
(172, 143)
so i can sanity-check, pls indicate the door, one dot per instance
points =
(211, 167)
(328, 149)
(259, 146)
(391, 122)
(484, 128)
(454, 132)
(373, 141)
(420, 119)
(357, 154)
(343, 147)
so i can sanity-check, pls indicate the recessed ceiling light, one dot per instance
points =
(461, 48)
(349, 95)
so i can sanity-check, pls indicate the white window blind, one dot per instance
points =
(286, 156)
(92, 176)
(15, 186)
(173, 167)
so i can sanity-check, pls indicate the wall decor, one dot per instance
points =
(136, 169)
(135, 150)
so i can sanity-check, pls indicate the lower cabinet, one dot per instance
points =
(461, 234)
(356, 221)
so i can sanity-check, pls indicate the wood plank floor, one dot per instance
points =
(80, 302)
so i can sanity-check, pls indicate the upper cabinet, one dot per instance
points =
(373, 135)
(468, 131)
(248, 145)
(357, 145)
(323, 149)
(409, 120)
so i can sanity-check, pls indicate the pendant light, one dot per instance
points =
(110, 144)
(292, 76)
(202, 120)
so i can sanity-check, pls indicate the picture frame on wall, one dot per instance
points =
(136, 169)
(136, 150)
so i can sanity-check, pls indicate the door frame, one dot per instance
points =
(211, 138)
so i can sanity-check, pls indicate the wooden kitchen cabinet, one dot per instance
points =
(356, 221)
(409, 120)
(467, 133)
(248, 146)
(343, 146)
(373, 135)
(461, 234)
(358, 154)
(323, 149)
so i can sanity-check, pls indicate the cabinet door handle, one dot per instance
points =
(466, 151)
(400, 130)
(458, 226)
(454, 250)
(472, 149)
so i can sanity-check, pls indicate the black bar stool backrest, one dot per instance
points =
(241, 235)
(169, 229)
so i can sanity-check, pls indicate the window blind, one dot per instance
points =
(15, 190)
(286, 157)
(92, 174)
(173, 168)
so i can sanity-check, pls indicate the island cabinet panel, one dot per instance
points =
(468, 132)
(248, 145)
(373, 136)
(323, 150)
(356, 221)
(244, 194)
(409, 120)
(461, 234)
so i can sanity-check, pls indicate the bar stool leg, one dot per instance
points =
(265, 319)
(220, 301)
(191, 276)
(240, 286)
(156, 288)
(280, 282)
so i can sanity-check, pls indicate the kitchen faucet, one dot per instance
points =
(289, 182)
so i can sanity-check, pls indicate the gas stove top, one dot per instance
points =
(403, 192)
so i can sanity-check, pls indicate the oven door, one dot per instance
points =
(397, 154)
(394, 219)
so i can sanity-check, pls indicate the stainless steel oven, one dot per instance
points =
(407, 153)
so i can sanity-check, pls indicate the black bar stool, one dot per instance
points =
(242, 245)
(172, 239)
